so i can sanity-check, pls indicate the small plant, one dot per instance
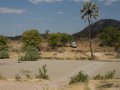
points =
(43, 73)
(102, 84)
(31, 54)
(98, 77)
(82, 58)
(80, 77)
(3, 54)
(108, 75)
(17, 77)
(91, 58)
(28, 76)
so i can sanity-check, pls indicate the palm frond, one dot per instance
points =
(89, 10)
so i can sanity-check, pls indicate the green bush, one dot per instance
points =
(43, 73)
(108, 75)
(110, 36)
(80, 77)
(98, 77)
(31, 54)
(53, 40)
(58, 39)
(3, 42)
(31, 38)
(4, 54)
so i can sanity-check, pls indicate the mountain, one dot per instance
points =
(97, 27)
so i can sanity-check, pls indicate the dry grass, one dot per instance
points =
(67, 53)
(94, 85)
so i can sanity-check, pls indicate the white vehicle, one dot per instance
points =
(73, 44)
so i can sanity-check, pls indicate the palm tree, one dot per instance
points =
(89, 13)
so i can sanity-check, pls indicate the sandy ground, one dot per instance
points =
(59, 72)
(82, 51)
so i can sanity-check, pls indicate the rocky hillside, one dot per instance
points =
(97, 28)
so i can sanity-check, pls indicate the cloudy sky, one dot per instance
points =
(17, 16)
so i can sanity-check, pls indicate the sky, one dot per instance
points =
(17, 16)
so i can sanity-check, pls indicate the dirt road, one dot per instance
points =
(59, 72)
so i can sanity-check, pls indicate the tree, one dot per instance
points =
(3, 42)
(89, 13)
(3, 47)
(47, 33)
(110, 36)
(58, 39)
(31, 38)
(53, 40)
(65, 38)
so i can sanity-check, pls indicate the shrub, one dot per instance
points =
(53, 40)
(58, 39)
(17, 77)
(108, 75)
(31, 54)
(28, 76)
(3, 42)
(110, 36)
(3, 54)
(31, 38)
(43, 73)
(98, 77)
(3, 47)
(80, 77)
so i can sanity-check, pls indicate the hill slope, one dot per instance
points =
(97, 28)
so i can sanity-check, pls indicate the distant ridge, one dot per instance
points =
(20, 36)
(97, 28)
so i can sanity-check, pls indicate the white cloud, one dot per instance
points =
(80, 0)
(11, 10)
(59, 12)
(105, 2)
(40, 1)
(109, 2)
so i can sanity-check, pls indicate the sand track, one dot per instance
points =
(59, 72)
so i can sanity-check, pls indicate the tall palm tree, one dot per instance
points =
(89, 13)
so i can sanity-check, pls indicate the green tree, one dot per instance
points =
(3, 42)
(65, 38)
(58, 39)
(89, 13)
(110, 36)
(3, 47)
(31, 38)
(53, 40)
